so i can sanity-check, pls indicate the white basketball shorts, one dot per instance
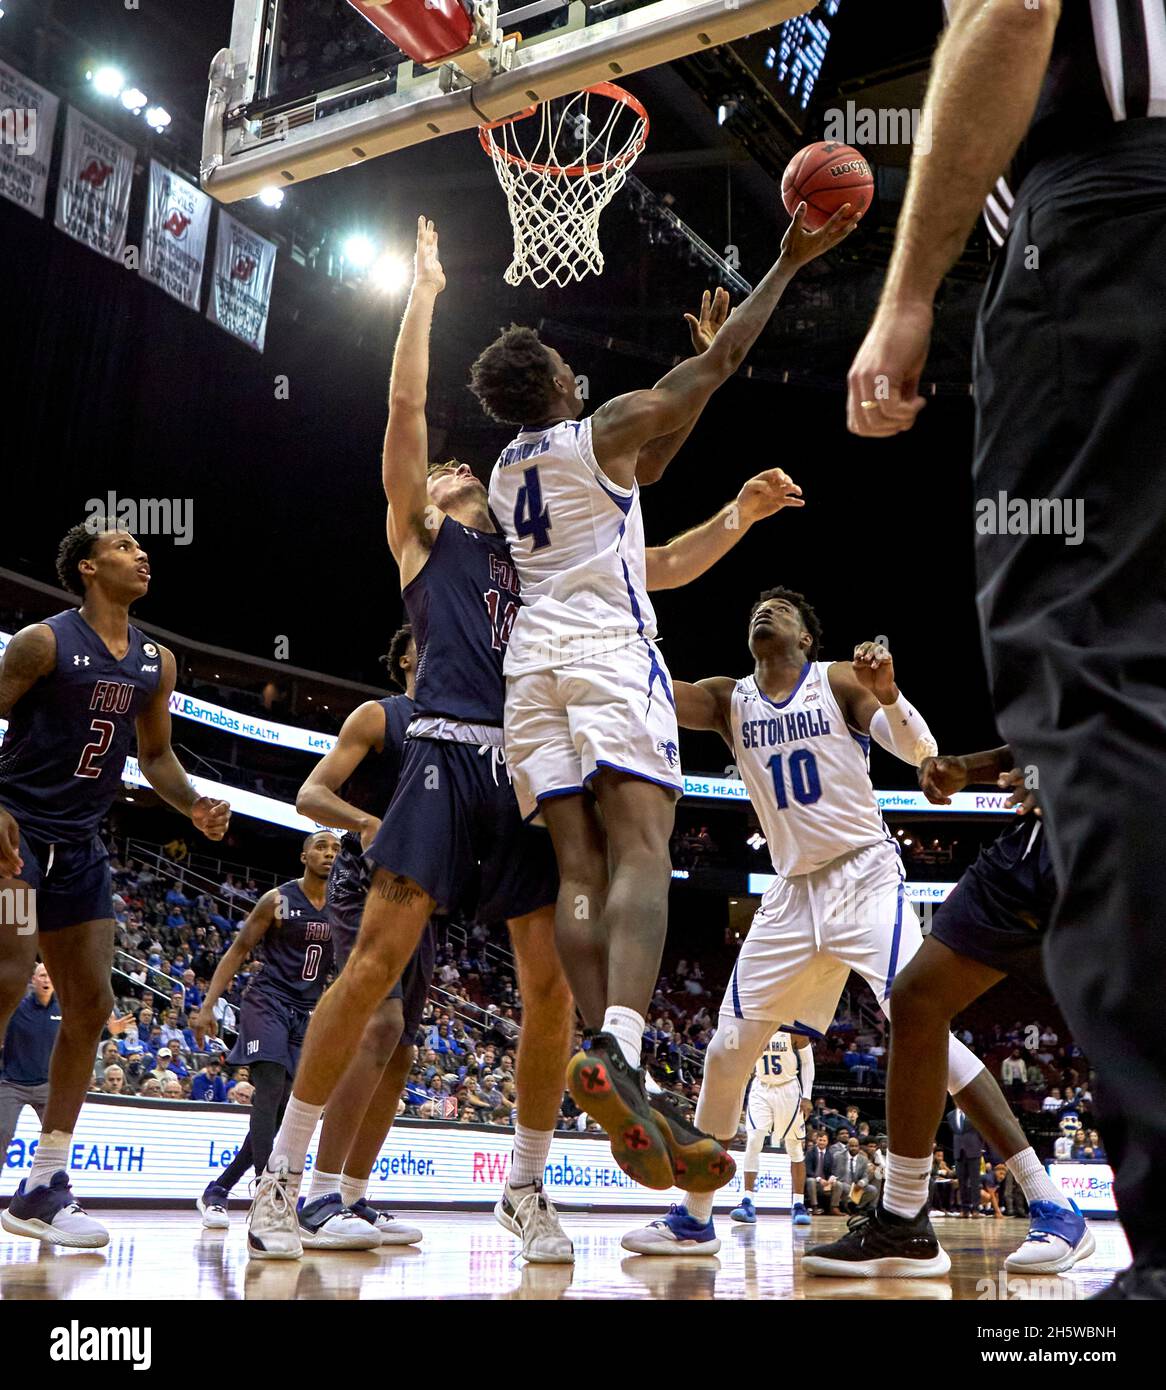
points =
(775, 1110)
(615, 709)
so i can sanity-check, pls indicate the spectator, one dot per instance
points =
(208, 1084)
(1052, 1102)
(240, 1093)
(1014, 1072)
(115, 1081)
(943, 1184)
(171, 1087)
(151, 1089)
(991, 1187)
(855, 1186)
(165, 1058)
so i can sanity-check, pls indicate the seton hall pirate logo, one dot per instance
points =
(96, 172)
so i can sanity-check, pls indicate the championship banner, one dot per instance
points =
(28, 122)
(178, 218)
(241, 284)
(168, 1150)
(93, 197)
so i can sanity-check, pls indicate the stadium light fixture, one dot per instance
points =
(359, 251)
(134, 99)
(390, 274)
(108, 81)
(272, 196)
(158, 118)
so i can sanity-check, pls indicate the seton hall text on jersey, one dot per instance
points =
(783, 728)
(519, 453)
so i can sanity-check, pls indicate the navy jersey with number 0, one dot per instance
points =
(296, 948)
(64, 753)
(462, 608)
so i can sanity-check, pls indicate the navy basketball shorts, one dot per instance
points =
(455, 829)
(999, 911)
(271, 1029)
(71, 881)
(347, 888)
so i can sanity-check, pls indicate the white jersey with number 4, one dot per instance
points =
(577, 541)
(778, 1064)
(808, 774)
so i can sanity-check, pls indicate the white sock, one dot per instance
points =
(627, 1027)
(1029, 1172)
(529, 1158)
(52, 1154)
(905, 1188)
(700, 1205)
(322, 1183)
(295, 1134)
(352, 1189)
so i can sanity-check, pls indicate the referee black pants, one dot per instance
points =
(1071, 407)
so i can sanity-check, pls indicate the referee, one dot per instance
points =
(24, 1065)
(1070, 379)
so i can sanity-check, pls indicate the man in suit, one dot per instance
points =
(967, 1147)
(819, 1183)
(852, 1173)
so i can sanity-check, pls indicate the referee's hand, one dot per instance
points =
(883, 386)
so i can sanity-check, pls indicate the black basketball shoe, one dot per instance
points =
(1141, 1283)
(881, 1246)
(603, 1084)
(700, 1163)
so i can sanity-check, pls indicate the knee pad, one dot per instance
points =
(756, 1142)
(793, 1147)
(963, 1066)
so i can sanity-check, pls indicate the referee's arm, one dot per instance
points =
(985, 83)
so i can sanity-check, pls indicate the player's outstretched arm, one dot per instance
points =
(161, 768)
(260, 918)
(688, 556)
(940, 778)
(31, 655)
(406, 453)
(985, 83)
(622, 427)
(319, 797)
(872, 703)
(705, 705)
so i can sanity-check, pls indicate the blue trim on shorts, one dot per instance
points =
(631, 772)
(558, 791)
(797, 1027)
(736, 994)
(895, 942)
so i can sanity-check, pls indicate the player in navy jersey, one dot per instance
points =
(289, 929)
(76, 690)
(454, 826)
(351, 788)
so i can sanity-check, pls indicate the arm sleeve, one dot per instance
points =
(902, 730)
(806, 1073)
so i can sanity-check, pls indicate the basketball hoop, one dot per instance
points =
(558, 185)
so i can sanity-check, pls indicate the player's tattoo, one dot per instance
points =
(398, 890)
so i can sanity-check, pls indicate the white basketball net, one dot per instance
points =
(560, 168)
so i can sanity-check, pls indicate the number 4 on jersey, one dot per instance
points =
(531, 518)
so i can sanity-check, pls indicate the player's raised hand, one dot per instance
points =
(714, 311)
(1021, 797)
(799, 246)
(766, 494)
(940, 778)
(883, 385)
(427, 271)
(211, 817)
(11, 863)
(875, 671)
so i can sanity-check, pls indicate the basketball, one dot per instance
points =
(824, 176)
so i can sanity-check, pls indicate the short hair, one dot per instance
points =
(801, 603)
(394, 656)
(77, 545)
(309, 838)
(513, 378)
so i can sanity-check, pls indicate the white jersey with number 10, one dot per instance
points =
(577, 541)
(807, 772)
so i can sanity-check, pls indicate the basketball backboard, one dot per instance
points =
(310, 86)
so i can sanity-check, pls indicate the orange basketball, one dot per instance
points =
(824, 176)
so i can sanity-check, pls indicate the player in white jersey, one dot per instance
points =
(777, 1104)
(800, 730)
(591, 734)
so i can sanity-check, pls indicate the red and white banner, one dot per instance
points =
(178, 218)
(28, 122)
(241, 283)
(93, 197)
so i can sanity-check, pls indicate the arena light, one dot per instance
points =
(390, 274)
(108, 81)
(272, 196)
(359, 252)
(134, 99)
(158, 118)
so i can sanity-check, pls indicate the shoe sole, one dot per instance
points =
(50, 1235)
(1081, 1251)
(257, 1252)
(509, 1224)
(702, 1165)
(744, 1220)
(639, 1144)
(332, 1242)
(649, 1246)
(893, 1267)
(392, 1237)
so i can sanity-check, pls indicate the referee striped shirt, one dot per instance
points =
(1108, 64)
